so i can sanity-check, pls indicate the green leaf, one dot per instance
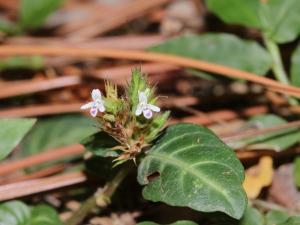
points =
(44, 215)
(252, 217)
(11, 133)
(239, 12)
(224, 49)
(294, 220)
(277, 141)
(35, 12)
(100, 144)
(297, 171)
(17, 213)
(57, 132)
(181, 222)
(19, 62)
(295, 67)
(190, 166)
(279, 20)
(276, 217)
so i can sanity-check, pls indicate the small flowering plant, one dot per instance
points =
(183, 165)
(132, 120)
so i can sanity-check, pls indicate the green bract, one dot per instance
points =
(193, 168)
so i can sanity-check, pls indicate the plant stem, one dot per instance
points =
(277, 65)
(101, 198)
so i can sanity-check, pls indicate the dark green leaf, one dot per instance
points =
(276, 217)
(44, 215)
(295, 68)
(11, 133)
(252, 217)
(294, 220)
(223, 49)
(181, 222)
(297, 171)
(57, 132)
(35, 12)
(17, 213)
(100, 144)
(277, 141)
(236, 11)
(190, 166)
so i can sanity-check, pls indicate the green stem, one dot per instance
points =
(100, 199)
(277, 65)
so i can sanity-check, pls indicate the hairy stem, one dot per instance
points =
(277, 65)
(100, 199)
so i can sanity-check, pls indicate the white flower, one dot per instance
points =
(144, 107)
(96, 105)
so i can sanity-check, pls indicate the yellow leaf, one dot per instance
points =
(258, 177)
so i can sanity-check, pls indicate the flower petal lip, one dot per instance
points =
(94, 111)
(96, 94)
(87, 106)
(147, 113)
(153, 108)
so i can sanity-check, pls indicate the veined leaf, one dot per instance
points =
(295, 67)
(181, 222)
(236, 11)
(193, 168)
(35, 12)
(224, 49)
(11, 133)
(17, 213)
(279, 20)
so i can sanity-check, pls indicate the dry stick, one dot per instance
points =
(35, 175)
(10, 89)
(23, 188)
(122, 15)
(6, 50)
(40, 110)
(9, 167)
(120, 42)
(100, 198)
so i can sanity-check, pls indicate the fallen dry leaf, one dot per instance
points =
(258, 177)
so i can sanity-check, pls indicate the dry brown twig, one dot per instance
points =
(7, 50)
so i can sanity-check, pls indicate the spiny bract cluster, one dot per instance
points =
(133, 120)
